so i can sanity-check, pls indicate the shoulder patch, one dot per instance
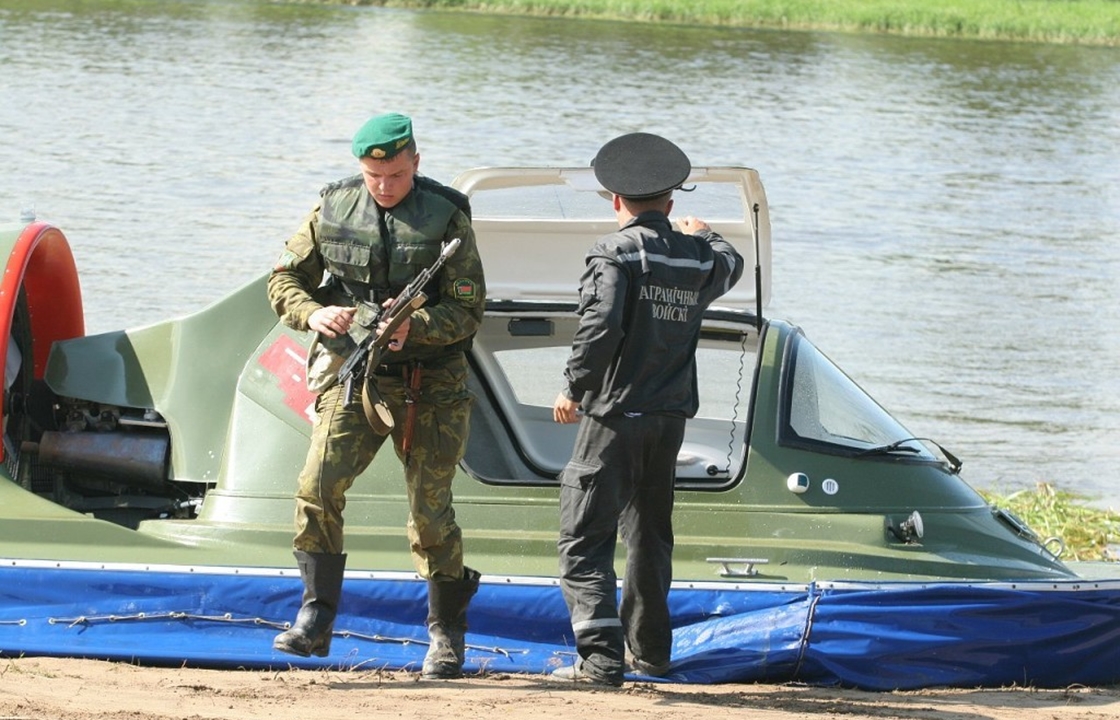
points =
(287, 261)
(465, 289)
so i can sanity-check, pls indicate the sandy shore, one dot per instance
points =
(64, 689)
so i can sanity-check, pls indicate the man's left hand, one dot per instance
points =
(396, 341)
(565, 410)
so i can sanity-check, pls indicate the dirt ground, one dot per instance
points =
(64, 689)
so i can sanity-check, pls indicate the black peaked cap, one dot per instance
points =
(641, 165)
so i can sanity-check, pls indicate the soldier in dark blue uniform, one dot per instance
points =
(632, 377)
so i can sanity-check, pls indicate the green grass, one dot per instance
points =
(1095, 22)
(1087, 532)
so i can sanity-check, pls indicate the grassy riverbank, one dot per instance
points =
(1095, 22)
(1088, 533)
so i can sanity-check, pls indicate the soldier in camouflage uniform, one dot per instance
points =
(372, 234)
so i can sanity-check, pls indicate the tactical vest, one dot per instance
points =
(373, 253)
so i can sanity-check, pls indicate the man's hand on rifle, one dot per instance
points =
(396, 342)
(332, 320)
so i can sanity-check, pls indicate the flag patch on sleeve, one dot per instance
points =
(465, 289)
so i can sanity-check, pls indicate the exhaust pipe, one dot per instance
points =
(124, 457)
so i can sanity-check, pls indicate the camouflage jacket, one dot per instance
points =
(348, 249)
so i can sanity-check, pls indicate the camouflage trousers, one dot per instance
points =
(343, 445)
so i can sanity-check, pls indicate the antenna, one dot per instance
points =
(757, 272)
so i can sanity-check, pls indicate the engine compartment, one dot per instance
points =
(106, 461)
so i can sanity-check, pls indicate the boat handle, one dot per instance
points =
(747, 569)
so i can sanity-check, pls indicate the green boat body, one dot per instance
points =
(215, 397)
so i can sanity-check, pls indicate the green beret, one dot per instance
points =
(641, 165)
(382, 136)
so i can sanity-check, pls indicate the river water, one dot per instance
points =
(945, 213)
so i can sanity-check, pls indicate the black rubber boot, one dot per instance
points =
(447, 626)
(322, 587)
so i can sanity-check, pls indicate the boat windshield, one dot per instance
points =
(824, 405)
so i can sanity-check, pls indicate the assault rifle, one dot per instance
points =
(368, 353)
